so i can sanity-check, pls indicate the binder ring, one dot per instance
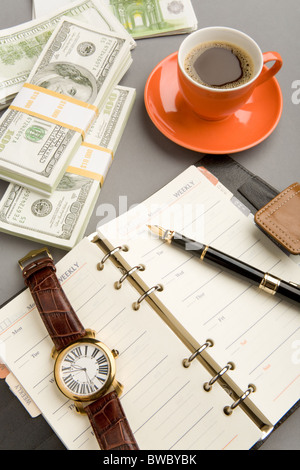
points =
(136, 304)
(100, 265)
(208, 385)
(229, 409)
(139, 267)
(187, 362)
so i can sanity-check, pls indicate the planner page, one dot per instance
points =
(165, 403)
(257, 332)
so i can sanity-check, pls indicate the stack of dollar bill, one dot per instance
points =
(143, 18)
(78, 62)
(61, 219)
(21, 46)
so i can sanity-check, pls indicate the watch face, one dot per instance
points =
(84, 370)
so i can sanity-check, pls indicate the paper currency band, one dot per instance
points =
(98, 147)
(91, 161)
(56, 108)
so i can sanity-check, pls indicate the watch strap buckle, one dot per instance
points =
(34, 254)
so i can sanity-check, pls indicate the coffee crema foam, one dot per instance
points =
(245, 61)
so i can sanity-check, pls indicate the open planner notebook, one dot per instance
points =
(196, 305)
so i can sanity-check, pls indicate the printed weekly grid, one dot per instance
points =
(258, 332)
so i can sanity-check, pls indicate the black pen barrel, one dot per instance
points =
(265, 281)
(218, 258)
(277, 286)
(193, 247)
(233, 265)
(288, 290)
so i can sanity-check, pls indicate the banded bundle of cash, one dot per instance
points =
(143, 18)
(61, 219)
(73, 77)
(21, 46)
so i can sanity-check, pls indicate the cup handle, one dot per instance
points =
(270, 72)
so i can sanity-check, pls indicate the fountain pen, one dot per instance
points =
(265, 281)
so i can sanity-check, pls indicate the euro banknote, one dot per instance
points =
(143, 18)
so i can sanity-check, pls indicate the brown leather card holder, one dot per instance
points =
(280, 218)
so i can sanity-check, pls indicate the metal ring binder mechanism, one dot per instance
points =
(187, 362)
(208, 385)
(118, 283)
(139, 267)
(136, 304)
(100, 265)
(228, 410)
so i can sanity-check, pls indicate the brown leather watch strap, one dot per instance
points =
(55, 309)
(110, 425)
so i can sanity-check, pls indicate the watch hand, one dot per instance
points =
(74, 371)
(74, 366)
(88, 379)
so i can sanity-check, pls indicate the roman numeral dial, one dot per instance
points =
(84, 369)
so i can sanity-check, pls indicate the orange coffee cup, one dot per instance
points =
(218, 103)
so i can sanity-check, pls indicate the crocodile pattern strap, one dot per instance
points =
(55, 309)
(110, 424)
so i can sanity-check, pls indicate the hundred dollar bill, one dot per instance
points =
(61, 219)
(145, 18)
(43, 127)
(21, 46)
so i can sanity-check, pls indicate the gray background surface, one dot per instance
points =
(146, 160)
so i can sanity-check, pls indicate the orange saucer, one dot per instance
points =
(249, 126)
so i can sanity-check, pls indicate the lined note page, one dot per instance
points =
(259, 333)
(165, 404)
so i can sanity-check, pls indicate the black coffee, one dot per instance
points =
(219, 65)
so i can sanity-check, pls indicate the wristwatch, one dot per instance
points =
(84, 367)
